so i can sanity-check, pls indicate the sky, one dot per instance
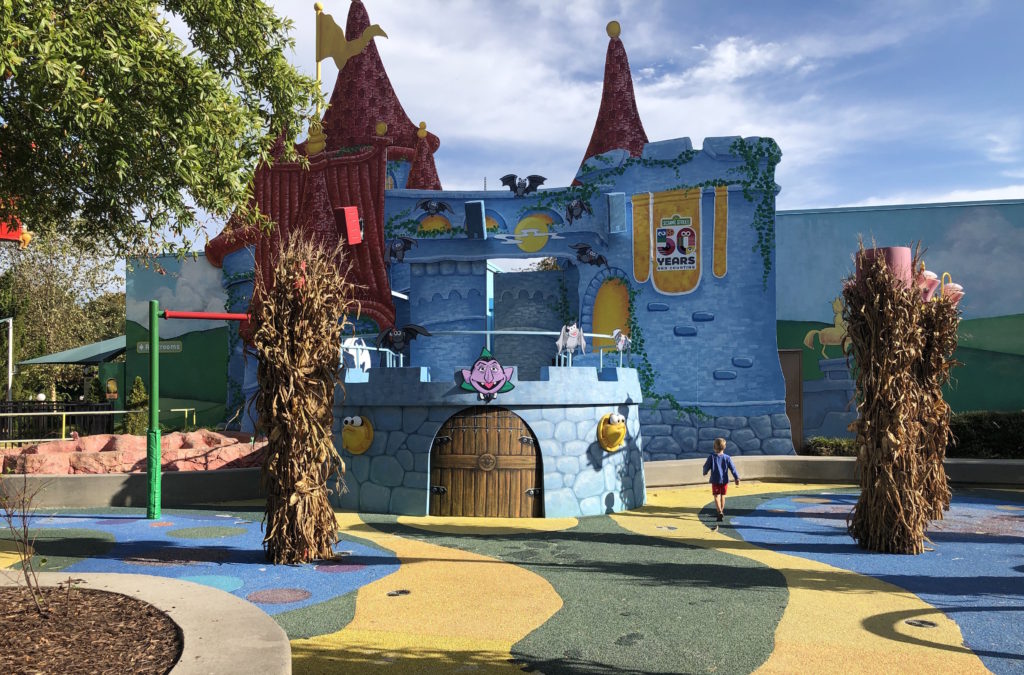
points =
(872, 102)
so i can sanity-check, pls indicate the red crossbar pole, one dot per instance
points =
(213, 316)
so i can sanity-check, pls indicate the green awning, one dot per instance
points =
(97, 352)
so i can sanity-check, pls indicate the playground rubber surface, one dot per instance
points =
(778, 588)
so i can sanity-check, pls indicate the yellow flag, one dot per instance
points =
(330, 40)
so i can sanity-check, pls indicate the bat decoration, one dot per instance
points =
(486, 377)
(586, 254)
(434, 207)
(397, 339)
(621, 340)
(397, 247)
(570, 339)
(575, 209)
(522, 186)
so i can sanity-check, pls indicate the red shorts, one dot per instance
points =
(719, 488)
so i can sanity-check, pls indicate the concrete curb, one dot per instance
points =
(223, 634)
(189, 488)
(178, 488)
(798, 469)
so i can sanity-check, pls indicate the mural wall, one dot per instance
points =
(193, 354)
(979, 244)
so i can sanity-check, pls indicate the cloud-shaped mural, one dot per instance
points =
(982, 252)
(191, 286)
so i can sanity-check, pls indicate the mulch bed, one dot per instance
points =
(86, 631)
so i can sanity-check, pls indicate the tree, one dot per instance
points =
(114, 132)
(138, 399)
(60, 298)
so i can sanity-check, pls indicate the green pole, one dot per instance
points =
(153, 433)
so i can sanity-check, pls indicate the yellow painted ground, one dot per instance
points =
(836, 621)
(463, 611)
(473, 526)
(8, 554)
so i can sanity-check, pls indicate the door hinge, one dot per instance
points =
(526, 440)
(438, 489)
(441, 440)
(533, 492)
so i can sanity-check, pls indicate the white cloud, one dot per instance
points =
(1007, 192)
(196, 289)
(516, 87)
(980, 251)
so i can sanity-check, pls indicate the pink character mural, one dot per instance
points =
(487, 377)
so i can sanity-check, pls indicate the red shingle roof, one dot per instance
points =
(363, 96)
(618, 122)
(299, 200)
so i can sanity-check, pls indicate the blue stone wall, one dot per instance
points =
(747, 430)
(529, 301)
(448, 296)
(407, 409)
(713, 349)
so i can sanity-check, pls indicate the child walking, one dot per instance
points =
(720, 464)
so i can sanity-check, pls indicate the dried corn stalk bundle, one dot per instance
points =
(939, 321)
(297, 333)
(882, 325)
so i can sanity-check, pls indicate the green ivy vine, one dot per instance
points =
(764, 151)
(561, 307)
(645, 371)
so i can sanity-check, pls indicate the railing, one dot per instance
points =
(19, 430)
(562, 359)
(186, 411)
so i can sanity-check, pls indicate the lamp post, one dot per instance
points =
(10, 355)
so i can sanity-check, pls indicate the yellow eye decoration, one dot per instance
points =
(611, 432)
(356, 434)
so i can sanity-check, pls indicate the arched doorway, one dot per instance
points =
(611, 310)
(485, 462)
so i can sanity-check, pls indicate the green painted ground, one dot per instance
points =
(634, 604)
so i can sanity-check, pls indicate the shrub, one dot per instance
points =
(986, 434)
(138, 399)
(819, 446)
(979, 435)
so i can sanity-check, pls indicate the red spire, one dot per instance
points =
(618, 122)
(423, 173)
(363, 96)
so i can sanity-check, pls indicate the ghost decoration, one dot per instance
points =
(355, 354)
(570, 339)
(486, 377)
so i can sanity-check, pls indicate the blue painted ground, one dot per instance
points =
(223, 551)
(975, 572)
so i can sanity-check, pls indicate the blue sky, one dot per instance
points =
(871, 102)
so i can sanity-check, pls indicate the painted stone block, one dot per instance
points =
(561, 503)
(374, 498)
(408, 501)
(386, 471)
(762, 425)
(588, 483)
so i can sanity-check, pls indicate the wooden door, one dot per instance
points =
(485, 462)
(793, 372)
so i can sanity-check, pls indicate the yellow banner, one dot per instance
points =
(675, 221)
(719, 265)
(642, 236)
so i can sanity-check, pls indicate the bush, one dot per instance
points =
(819, 446)
(138, 399)
(979, 435)
(986, 434)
